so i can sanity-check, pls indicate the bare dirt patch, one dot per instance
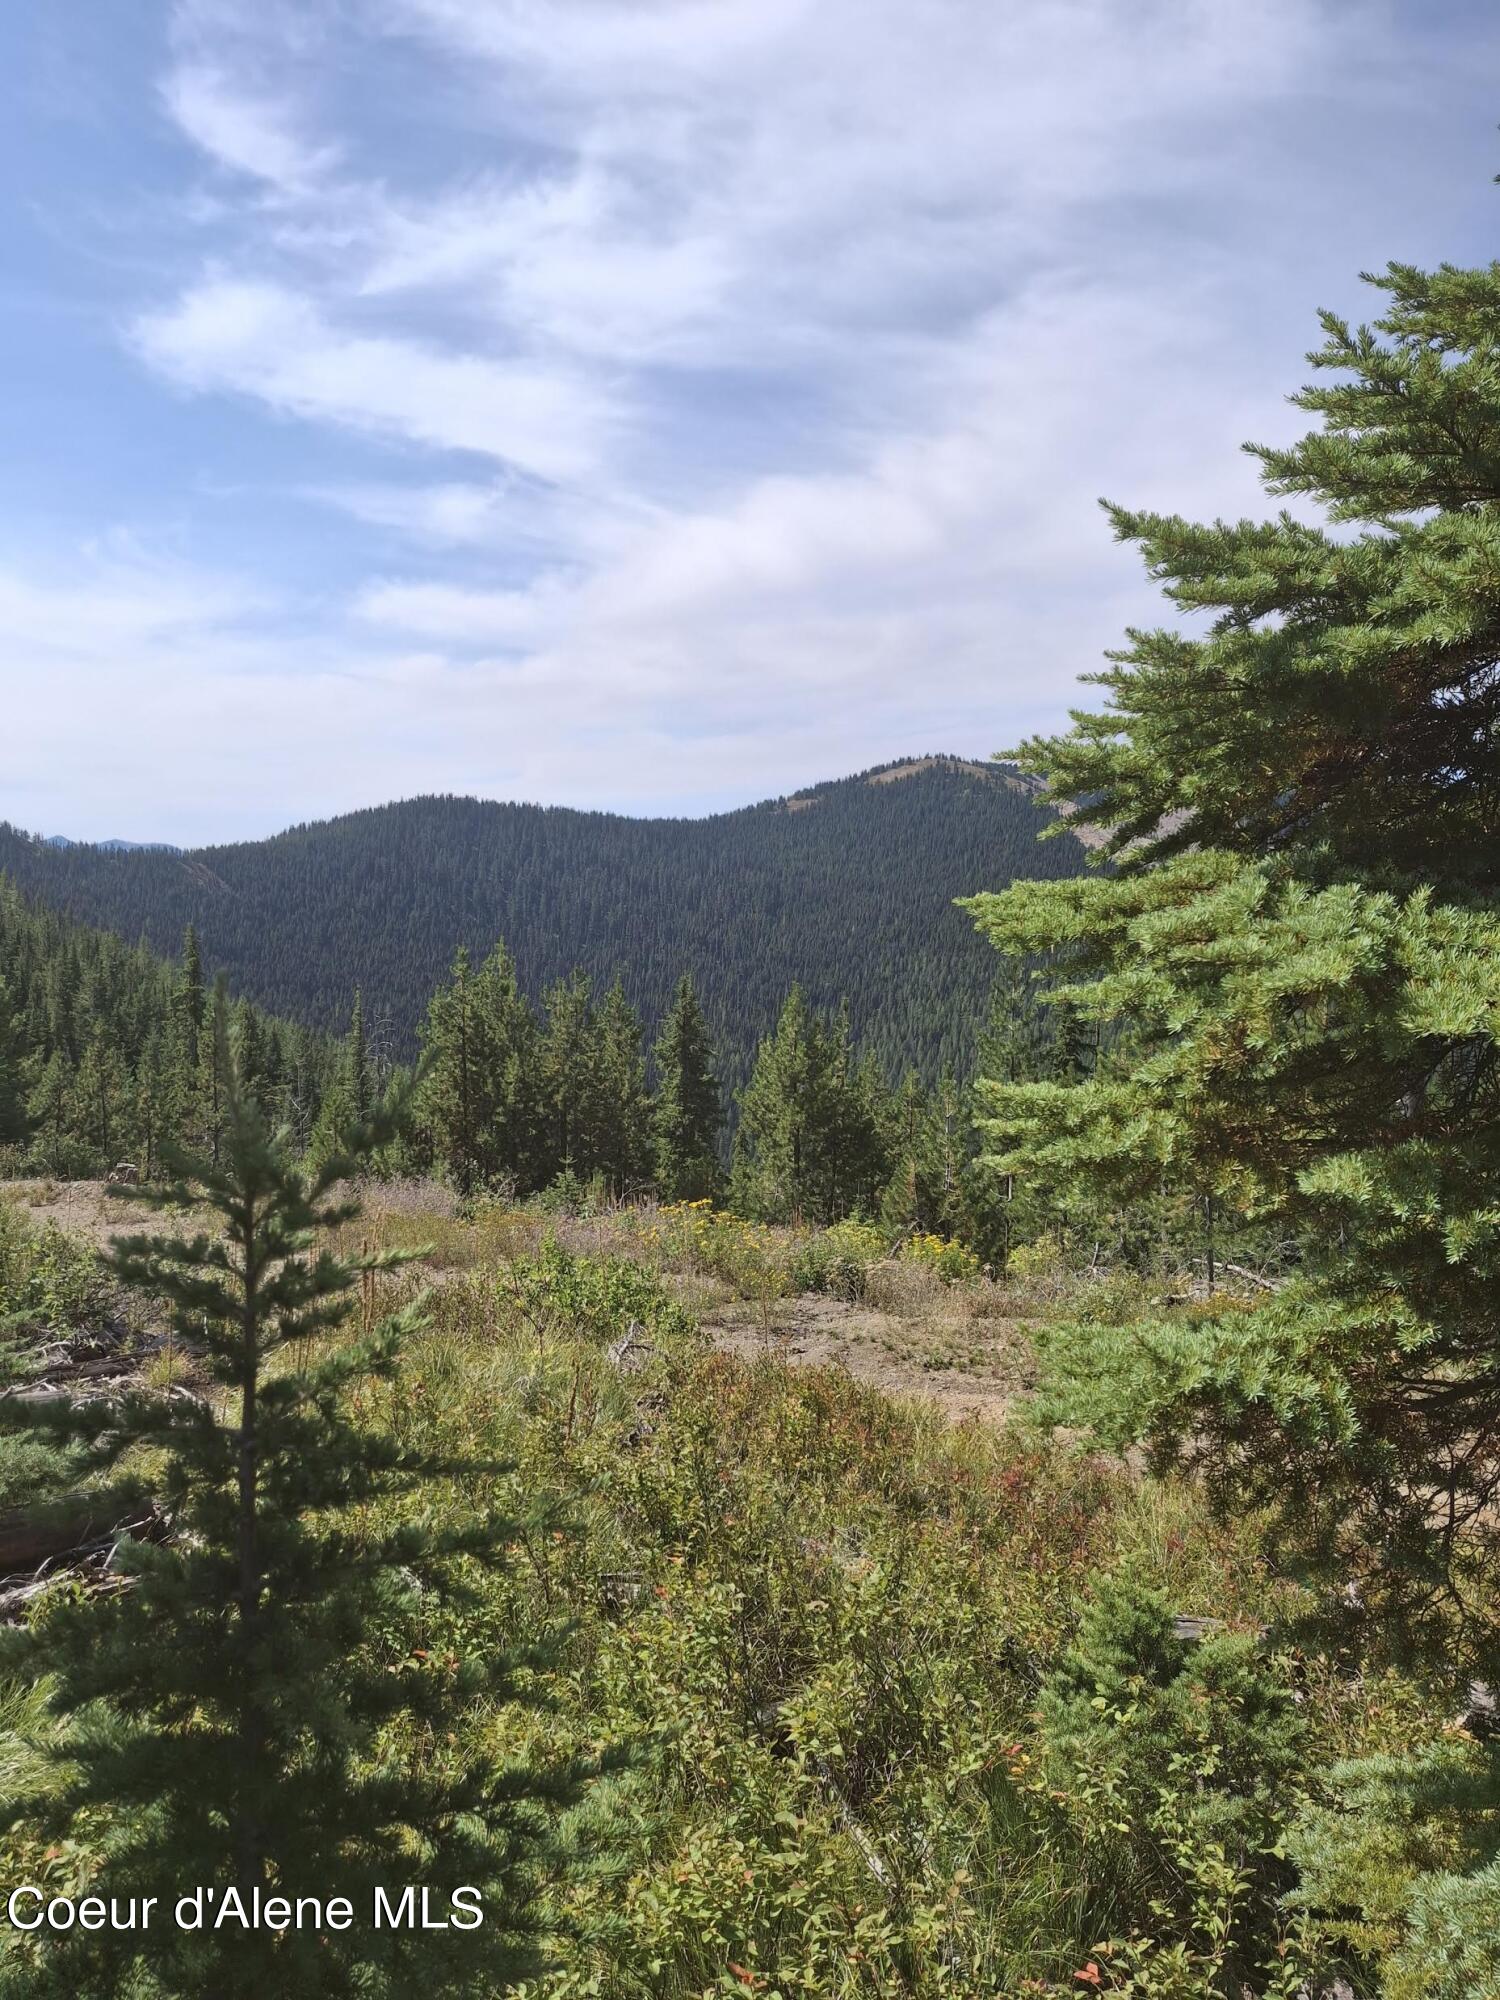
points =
(969, 1369)
(87, 1209)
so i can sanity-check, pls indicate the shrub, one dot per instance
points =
(953, 1262)
(599, 1298)
(47, 1278)
(835, 1260)
(1399, 1859)
(1176, 1770)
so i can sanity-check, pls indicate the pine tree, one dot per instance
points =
(154, 1103)
(1302, 934)
(568, 1066)
(99, 1100)
(1124, 1712)
(775, 1146)
(191, 1002)
(812, 1141)
(228, 1717)
(251, 1052)
(455, 1094)
(863, 1141)
(929, 1188)
(688, 1111)
(619, 1142)
(49, 1108)
(356, 1063)
(13, 1120)
(1007, 1208)
(485, 1086)
(347, 1101)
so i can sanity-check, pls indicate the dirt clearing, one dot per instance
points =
(971, 1369)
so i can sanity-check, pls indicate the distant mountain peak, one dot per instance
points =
(114, 846)
(888, 773)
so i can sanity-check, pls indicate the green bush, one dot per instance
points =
(599, 1298)
(47, 1278)
(835, 1260)
(1175, 1767)
(1400, 1859)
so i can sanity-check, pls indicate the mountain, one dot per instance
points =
(115, 846)
(847, 887)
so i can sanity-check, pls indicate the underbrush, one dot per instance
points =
(875, 1751)
(908, 1708)
(759, 1262)
(48, 1279)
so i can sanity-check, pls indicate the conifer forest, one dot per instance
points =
(892, 1394)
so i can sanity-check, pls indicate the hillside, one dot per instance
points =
(848, 887)
(103, 1047)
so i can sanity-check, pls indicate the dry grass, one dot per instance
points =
(896, 1322)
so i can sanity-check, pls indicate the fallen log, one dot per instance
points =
(32, 1538)
(1252, 1277)
(16, 1597)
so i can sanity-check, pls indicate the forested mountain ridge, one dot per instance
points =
(847, 888)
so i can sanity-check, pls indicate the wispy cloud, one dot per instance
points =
(265, 341)
(644, 400)
(246, 134)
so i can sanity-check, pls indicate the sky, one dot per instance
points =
(652, 405)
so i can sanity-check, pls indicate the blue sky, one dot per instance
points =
(652, 404)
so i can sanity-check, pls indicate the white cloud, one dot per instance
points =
(112, 603)
(450, 512)
(569, 260)
(466, 617)
(799, 336)
(759, 177)
(246, 134)
(956, 562)
(262, 340)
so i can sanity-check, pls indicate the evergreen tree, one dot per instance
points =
(154, 1104)
(229, 1718)
(483, 1091)
(688, 1111)
(1302, 932)
(454, 1097)
(929, 1187)
(205, 1122)
(191, 1001)
(99, 1096)
(863, 1140)
(49, 1107)
(568, 1074)
(347, 1101)
(619, 1143)
(13, 1120)
(776, 1144)
(1008, 1208)
(813, 1122)
(355, 1069)
(1125, 1711)
(252, 1050)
